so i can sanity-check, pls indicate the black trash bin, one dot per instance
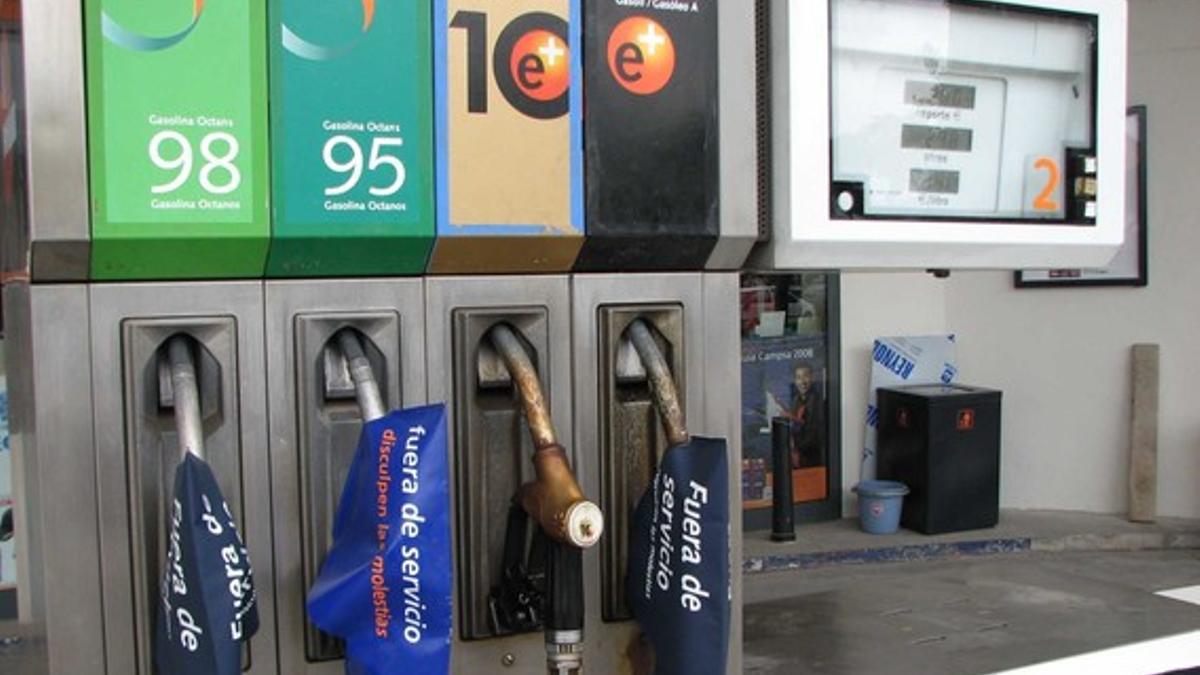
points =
(943, 442)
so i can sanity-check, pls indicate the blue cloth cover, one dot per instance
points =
(208, 606)
(385, 587)
(679, 560)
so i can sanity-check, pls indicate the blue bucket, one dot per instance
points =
(879, 504)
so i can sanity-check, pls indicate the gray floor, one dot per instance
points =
(963, 616)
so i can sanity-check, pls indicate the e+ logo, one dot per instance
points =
(539, 65)
(530, 63)
(641, 55)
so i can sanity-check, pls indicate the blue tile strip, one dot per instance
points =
(894, 554)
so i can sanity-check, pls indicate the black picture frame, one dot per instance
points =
(1131, 265)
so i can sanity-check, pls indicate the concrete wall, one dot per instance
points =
(1062, 355)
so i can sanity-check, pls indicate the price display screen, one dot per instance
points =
(958, 111)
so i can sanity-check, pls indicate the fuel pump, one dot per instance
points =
(568, 521)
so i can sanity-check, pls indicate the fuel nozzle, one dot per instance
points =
(557, 503)
(569, 520)
(554, 499)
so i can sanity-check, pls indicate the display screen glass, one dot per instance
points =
(958, 111)
(950, 139)
(932, 181)
(939, 94)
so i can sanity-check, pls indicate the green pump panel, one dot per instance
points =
(351, 138)
(177, 122)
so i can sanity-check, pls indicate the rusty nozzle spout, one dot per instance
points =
(554, 499)
(662, 384)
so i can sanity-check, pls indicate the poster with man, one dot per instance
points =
(785, 373)
(785, 377)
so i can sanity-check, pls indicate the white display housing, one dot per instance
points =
(947, 134)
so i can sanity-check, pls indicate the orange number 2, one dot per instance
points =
(1045, 199)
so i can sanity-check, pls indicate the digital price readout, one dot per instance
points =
(918, 137)
(947, 109)
(946, 133)
(939, 94)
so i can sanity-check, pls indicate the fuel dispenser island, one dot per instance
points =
(276, 215)
(532, 212)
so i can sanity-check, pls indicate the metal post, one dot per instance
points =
(366, 388)
(783, 524)
(186, 396)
